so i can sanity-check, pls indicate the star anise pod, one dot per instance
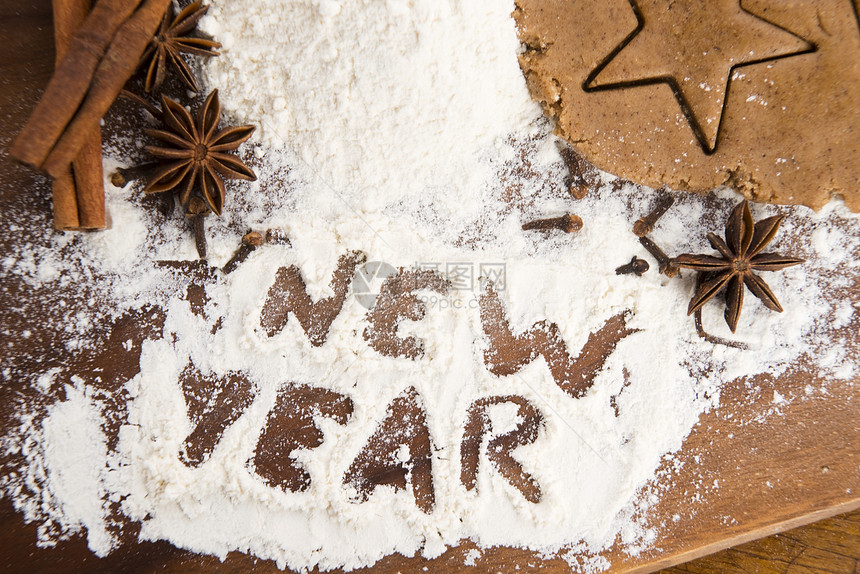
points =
(171, 41)
(194, 154)
(740, 257)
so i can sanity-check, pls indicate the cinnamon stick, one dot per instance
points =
(117, 66)
(79, 200)
(89, 183)
(65, 202)
(71, 81)
(68, 16)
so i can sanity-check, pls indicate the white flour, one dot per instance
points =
(399, 129)
(74, 440)
(382, 100)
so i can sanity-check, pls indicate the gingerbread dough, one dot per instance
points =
(759, 95)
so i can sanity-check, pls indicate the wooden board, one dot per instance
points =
(830, 546)
(743, 476)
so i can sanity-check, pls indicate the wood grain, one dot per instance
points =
(724, 488)
(831, 546)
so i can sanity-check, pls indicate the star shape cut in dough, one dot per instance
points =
(670, 45)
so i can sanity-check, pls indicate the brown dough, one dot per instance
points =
(657, 104)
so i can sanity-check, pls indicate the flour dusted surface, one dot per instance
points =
(381, 100)
(403, 130)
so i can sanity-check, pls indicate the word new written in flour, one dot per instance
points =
(399, 453)
(397, 300)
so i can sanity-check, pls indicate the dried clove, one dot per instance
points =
(250, 242)
(567, 223)
(576, 167)
(197, 211)
(252, 238)
(665, 265)
(645, 225)
(636, 266)
(123, 175)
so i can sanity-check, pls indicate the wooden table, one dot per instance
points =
(773, 474)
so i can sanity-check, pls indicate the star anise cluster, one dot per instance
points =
(193, 158)
(740, 255)
(171, 41)
(194, 153)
